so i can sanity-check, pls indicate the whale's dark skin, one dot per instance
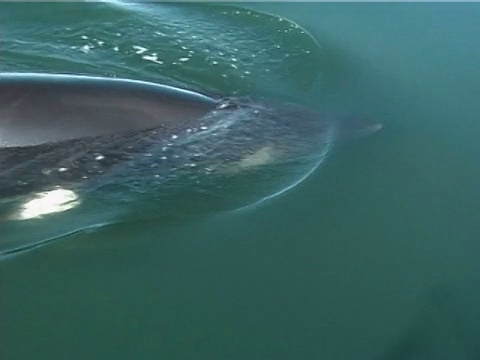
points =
(105, 136)
(46, 108)
(47, 120)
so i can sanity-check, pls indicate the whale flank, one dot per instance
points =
(86, 151)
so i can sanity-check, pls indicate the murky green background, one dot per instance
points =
(375, 256)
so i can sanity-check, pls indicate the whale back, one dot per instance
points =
(37, 108)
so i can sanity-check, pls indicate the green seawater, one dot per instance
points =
(374, 256)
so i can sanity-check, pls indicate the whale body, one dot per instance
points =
(41, 108)
(100, 149)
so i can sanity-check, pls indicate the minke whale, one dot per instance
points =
(86, 151)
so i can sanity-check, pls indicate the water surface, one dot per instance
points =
(374, 256)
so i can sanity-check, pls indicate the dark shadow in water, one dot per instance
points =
(442, 329)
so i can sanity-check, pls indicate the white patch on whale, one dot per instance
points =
(47, 202)
(261, 157)
(329, 142)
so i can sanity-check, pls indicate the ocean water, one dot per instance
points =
(373, 256)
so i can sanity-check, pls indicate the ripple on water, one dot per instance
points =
(225, 48)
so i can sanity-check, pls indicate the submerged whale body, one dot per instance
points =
(90, 151)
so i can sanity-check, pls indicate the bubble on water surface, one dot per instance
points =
(183, 39)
